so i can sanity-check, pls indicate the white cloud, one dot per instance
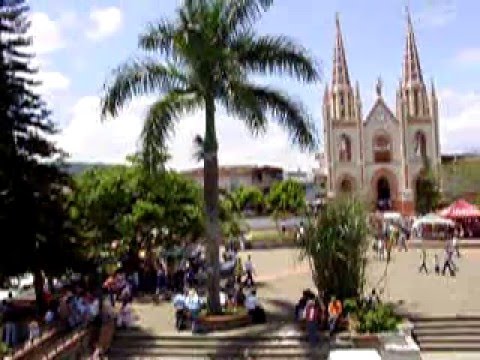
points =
(437, 13)
(46, 33)
(468, 56)
(86, 138)
(459, 121)
(53, 81)
(105, 22)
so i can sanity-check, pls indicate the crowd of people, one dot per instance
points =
(72, 307)
(389, 235)
(318, 313)
(237, 292)
(451, 250)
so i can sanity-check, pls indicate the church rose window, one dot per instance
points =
(345, 149)
(382, 149)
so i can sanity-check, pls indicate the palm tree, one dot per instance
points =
(208, 53)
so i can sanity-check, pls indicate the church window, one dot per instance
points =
(345, 149)
(420, 147)
(382, 148)
(415, 102)
(342, 105)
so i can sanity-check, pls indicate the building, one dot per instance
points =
(381, 155)
(232, 177)
(312, 188)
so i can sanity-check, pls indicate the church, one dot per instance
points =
(380, 156)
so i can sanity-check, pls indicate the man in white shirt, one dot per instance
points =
(193, 305)
(179, 305)
(251, 302)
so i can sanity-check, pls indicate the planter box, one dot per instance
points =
(366, 341)
(224, 322)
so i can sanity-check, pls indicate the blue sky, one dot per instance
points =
(79, 43)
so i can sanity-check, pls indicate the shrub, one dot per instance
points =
(374, 320)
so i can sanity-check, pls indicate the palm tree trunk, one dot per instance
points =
(210, 179)
(38, 282)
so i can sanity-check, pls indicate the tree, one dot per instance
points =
(286, 198)
(427, 190)
(335, 243)
(126, 202)
(210, 51)
(33, 212)
(460, 178)
(249, 198)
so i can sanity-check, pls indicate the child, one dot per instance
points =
(437, 265)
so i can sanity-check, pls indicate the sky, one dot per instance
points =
(79, 43)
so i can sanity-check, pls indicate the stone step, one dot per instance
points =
(446, 324)
(222, 352)
(450, 338)
(426, 319)
(463, 331)
(160, 344)
(453, 346)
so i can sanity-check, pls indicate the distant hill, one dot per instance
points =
(75, 168)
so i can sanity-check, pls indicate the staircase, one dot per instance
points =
(455, 333)
(134, 344)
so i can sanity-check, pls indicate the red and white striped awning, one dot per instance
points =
(460, 209)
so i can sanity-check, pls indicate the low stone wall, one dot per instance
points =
(224, 322)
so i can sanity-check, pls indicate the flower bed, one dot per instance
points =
(224, 321)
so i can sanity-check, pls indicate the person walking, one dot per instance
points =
(449, 261)
(455, 245)
(437, 265)
(249, 270)
(9, 323)
(423, 266)
(238, 270)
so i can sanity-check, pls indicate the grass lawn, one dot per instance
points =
(271, 236)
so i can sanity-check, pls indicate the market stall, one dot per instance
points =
(432, 226)
(466, 217)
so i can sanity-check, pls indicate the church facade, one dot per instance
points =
(380, 155)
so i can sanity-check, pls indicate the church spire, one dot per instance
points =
(340, 69)
(412, 71)
(414, 93)
(342, 101)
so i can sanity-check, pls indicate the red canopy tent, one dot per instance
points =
(460, 209)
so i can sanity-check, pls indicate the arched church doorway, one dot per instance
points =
(384, 200)
(346, 186)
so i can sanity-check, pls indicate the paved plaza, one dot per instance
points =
(282, 276)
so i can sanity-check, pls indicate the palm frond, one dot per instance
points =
(140, 78)
(239, 101)
(286, 112)
(159, 37)
(242, 13)
(160, 122)
(277, 55)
